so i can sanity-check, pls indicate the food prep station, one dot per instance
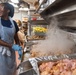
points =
(64, 11)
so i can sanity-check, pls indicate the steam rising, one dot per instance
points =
(57, 42)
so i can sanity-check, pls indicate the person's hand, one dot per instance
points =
(16, 47)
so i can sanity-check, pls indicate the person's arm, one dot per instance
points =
(3, 43)
(18, 42)
(16, 39)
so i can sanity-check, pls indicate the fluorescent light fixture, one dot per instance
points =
(23, 9)
(15, 1)
(14, 5)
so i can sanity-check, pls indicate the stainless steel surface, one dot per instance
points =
(67, 21)
(25, 66)
(55, 8)
(29, 72)
(29, 43)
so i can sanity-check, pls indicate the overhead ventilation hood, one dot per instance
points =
(62, 9)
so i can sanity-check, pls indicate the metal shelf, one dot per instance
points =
(38, 22)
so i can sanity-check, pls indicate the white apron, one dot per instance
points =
(7, 57)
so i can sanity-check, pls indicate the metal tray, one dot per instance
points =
(29, 72)
(31, 67)
(37, 61)
(25, 66)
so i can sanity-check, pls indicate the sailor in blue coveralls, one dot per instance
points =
(8, 33)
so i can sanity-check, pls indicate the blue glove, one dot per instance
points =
(16, 47)
(20, 55)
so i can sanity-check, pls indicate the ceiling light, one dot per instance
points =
(15, 1)
(14, 5)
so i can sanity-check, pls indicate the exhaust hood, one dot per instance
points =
(60, 9)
